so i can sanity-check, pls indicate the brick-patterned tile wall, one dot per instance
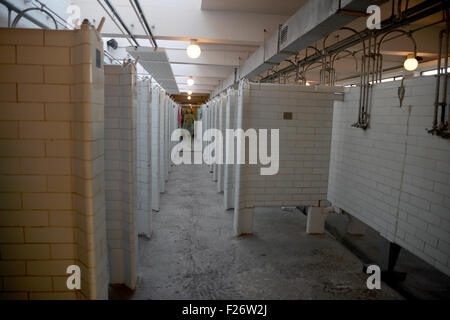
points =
(230, 123)
(394, 176)
(173, 118)
(120, 158)
(215, 124)
(206, 123)
(51, 162)
(166, 137)
(304, 147)
(143, 153)
(155, 146)
(222, 106)
(162, 139)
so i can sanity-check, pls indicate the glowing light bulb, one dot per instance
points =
(189, 92)
(193, 50)
(190, 82)
(189, 98)
(308, 84)
(411, 63)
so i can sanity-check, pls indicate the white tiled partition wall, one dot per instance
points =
(199, 129)
(166, 138)
(155, 146)
(230, 123)
(211, 125)
(169, 132)
(173, 115)
(120, 158)
(143, 161)
(222, 104)
(52, 205)
(206, 124)
(304, 147)
(167, 105)
(215, 125)
(204, 121)
(394, 176)
(162, 140)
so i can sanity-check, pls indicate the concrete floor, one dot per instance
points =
(423, 281)
(193, 254)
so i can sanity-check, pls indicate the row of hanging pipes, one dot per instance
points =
(371, 66)
(371, 69)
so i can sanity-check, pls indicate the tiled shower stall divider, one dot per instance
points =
(173, 122)
(222, 101)
(79, 164)
(162, 130)
(155, 146)
(206, 124)
(395, 177)
(215, 125)
(120, 160)
(211, 125)
(303, 116)
(230, 123)
(162, 157)
(167, 127)
(52, 198)
(143, 163)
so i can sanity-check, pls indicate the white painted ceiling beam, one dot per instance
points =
(285, 7)
(207, 46)
(185, 70)
(201, 87)
(217, 58)
(199, 80)
(201, 91)
(178, 20)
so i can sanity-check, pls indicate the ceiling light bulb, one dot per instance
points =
(189, 92)
(193, 50)
(189, 98)
(411, 63)
(190, 82)
(308, 84)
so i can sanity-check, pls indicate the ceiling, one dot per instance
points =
(277, 7)
(226, 38)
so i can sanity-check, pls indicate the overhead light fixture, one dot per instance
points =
(411, 63)
(189, 98)
(189, 92)
(190, 82)
(193, 50)
(307, 84)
